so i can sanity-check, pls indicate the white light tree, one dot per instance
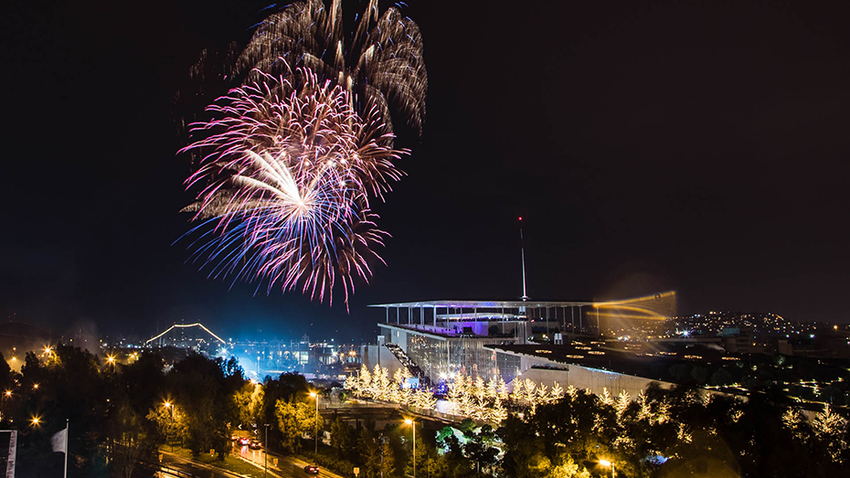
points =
(830, 429)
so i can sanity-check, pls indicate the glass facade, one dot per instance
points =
(509, 366)
(429, 354)
(442, 358)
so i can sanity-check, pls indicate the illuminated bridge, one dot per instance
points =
(185, 336)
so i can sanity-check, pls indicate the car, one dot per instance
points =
(244, 441)
(311, 469)
(255, 444)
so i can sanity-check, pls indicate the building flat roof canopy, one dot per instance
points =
(487, 304)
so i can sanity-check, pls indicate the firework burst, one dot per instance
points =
(288, 169)
(290, 160)
(381, 65)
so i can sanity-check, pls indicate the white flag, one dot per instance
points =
(59, 439)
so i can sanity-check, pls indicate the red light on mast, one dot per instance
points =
(520, 218)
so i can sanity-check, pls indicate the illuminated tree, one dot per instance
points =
(541, 396)
(605, 397)
(423, 399)
(530, 392)
(364, 384)
(829, 430)
(399, 392)
(621, 402)
(459, 395)
(380, 383)
(556, 393)
(795, 421)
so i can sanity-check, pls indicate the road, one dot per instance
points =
(279, 466)
(173, 466)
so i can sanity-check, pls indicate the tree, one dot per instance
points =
(6, 375)
(524, 452)
(699, 374)
(170, 422)
(387, 460)
(204, 390)
(420, 457)
(830, 433)
(478, 447)
(249, 404)
(342, 438)
(680, 372)
(720, 377)
(565, 467)
(143, 383)
(127, 444)
(371, 455)
(286, 387)
(294, 419)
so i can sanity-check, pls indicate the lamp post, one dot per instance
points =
(315, 394)
(170, 407)
(3, 404)
(611, 464)
(266, 452)
(412, 423)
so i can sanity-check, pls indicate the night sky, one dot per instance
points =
(700, 147)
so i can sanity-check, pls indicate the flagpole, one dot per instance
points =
(67, 439)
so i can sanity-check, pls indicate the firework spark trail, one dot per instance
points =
(382, 64)
(290, 168)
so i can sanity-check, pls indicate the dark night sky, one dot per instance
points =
(695, 146)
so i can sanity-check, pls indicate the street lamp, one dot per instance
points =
(266, 452)
(611, 464)
(170, 407)
(35, 421)
(411, 422)
(3, 404)
(314, 394)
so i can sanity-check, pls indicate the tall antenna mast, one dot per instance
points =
(522, 249)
